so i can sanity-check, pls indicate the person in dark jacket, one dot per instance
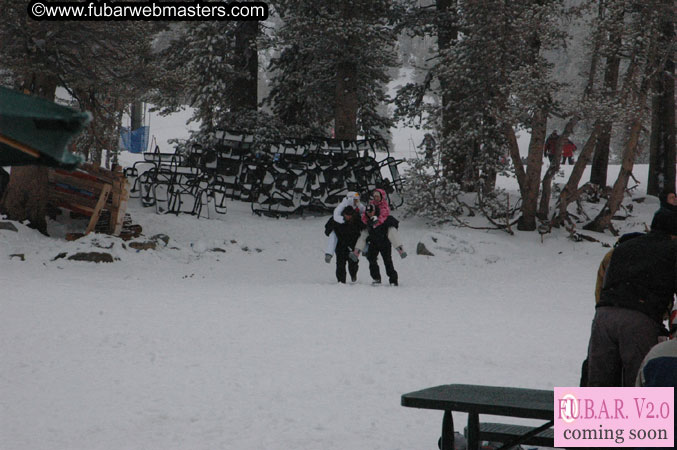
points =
(637, 292)
(604, 264)
(347, 234)
(601, 272)
(550, 145)
(379, 244)
(668, 201)
(429, 145)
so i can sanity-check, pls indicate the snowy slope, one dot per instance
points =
(185, 347)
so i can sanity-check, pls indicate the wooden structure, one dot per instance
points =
(89, 190)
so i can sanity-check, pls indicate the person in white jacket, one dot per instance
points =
(352, 199)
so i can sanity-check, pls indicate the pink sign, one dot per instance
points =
(614, 417)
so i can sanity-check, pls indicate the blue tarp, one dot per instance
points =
(134, 141)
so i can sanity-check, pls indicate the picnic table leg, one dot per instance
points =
(447, 440)
(473, 431)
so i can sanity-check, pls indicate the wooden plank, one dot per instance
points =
(80, 209)
(87, 172)
(65, 197)
(89, 191)
(19, 146)
(99, 206)
(114, 199)
(117, 222)
(113, 205)
(92, 170)
(94, 188)
(91, 184)
(68, 189)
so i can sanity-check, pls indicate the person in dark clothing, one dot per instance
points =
(347, 234)
(638, 291)
(429, 145)
(550, 144)
(379, 244)
(668, 201)
(601, 272)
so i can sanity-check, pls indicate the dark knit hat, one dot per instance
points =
(371, 208)
(627, 237)
(349, 210)
(665, 220)
(663, 197)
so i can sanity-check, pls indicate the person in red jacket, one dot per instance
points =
(379, 199)
(568, 150)
(383, 219)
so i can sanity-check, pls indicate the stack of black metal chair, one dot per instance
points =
(278, 179)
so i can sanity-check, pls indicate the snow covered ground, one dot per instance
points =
(236, 335)
(189, 347)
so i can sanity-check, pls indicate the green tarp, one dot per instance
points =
(35, 131)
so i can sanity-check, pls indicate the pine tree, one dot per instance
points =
(333, 67)
(647, 51)
(490, 78)
(213, 67)
(662, 144)
(610, 27)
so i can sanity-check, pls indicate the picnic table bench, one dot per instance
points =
(493, 400)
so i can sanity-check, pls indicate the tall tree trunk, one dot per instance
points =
(662, 141)
(600, 159)
(97, 137)
(546, 190)
(513, 148)
(40, 85)
(594, 57)
(26, 195)
(603, 219)
(544, 207)
(453, 163)
(570, 190)
(245, 85)
(346, 102)
(471, 174)
(527, 221)
(91, 146)
(539, 123)
(345, 114)
(136, 116)
(294, 113)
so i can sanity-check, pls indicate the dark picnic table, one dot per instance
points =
(493, 400)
